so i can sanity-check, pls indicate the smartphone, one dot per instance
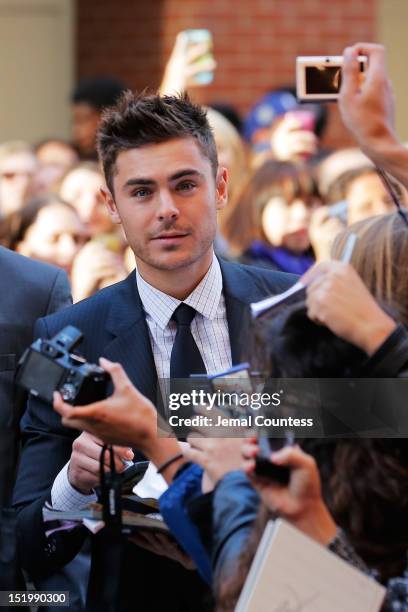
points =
(263, 464)
(318, 78)
(198, 37)
(235, 380)
(305, 118)
(133, 474)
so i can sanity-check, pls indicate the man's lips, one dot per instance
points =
(170, 235)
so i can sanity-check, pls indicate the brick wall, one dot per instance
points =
(255, 41)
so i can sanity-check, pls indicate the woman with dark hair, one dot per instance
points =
(364, 481)
(268, 225)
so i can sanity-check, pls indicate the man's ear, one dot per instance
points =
(111, 205)
(221, 186)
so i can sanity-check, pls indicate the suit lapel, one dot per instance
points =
(236, 315)
(133, 350)
(237, 309)
(241, 286)
(131, 342)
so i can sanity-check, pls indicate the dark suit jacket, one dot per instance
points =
(29, 290)
(114, 326)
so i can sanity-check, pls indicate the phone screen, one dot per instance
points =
(239, 382)
(323, 79)
(200, 37)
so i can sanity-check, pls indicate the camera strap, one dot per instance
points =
(111, 489)
(104, 590)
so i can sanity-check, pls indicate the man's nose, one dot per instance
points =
(167, 208)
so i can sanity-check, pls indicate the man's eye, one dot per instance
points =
(141, 193)
(186, 186)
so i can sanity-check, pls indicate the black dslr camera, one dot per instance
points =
(48, 366)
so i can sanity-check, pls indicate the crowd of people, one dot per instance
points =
(287, 195)
(217, 212)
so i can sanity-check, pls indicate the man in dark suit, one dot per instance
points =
(30, 290)
(165, 187)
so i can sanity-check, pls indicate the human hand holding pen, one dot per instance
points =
(337, 298)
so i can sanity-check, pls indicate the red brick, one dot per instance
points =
(255, 41)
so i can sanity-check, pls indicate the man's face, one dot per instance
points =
(85, 122)
(166, 197)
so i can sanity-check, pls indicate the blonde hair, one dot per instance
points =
(226, 133)
(380, 257)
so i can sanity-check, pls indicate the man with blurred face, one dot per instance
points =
(89, 98)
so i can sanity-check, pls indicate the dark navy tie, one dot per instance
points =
(185, 356)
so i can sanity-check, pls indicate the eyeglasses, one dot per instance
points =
(393, 194)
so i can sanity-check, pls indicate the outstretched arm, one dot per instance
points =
(367, 109)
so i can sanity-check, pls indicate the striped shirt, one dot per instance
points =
(209, 327)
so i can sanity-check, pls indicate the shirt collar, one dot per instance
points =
(205, 298)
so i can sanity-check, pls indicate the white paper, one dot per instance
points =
(258, 308)
(152, 484)
(93, 525)
(293, 573)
